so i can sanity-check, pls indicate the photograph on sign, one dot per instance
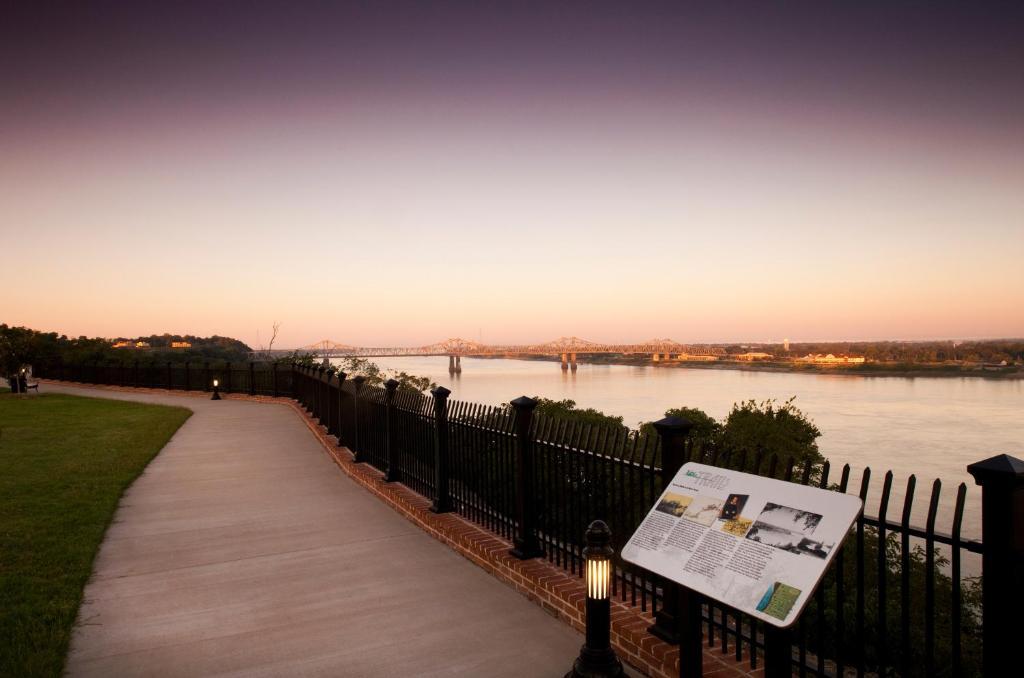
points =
(757, 544)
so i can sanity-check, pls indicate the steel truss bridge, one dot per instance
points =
(566, 347)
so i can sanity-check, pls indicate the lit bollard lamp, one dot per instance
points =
(216, 392)
(597, 658)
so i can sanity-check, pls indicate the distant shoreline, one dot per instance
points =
(867, 370)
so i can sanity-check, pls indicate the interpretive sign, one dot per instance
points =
(757, 544)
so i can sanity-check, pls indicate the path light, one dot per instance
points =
(216, 393)
(597, 658)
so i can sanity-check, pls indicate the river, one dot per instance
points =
(928, 426)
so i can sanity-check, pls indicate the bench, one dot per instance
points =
(24, 386)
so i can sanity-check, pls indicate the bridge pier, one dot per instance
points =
(451, 364)
(657, 358)
(572, 361)
(565, 362)
(454, 364)
(458, 364)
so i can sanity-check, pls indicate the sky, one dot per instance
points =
(396, 173)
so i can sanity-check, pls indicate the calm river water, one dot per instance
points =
(931, 427)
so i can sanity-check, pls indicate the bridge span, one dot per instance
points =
(568, 348)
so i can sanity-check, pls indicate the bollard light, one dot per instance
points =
(597, 658)
(216, 393)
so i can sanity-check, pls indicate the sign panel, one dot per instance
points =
(757, 544)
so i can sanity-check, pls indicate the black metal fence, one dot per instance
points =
(251, 378)
(895, 600)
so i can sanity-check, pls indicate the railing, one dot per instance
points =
(880, 609)
(894, 601)
(251, 378)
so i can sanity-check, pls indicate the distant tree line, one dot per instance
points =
(992, 351)
(21, 346)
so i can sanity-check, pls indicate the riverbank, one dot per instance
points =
(900, 370)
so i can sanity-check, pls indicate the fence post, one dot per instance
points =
(672, 431)
(329, 401)
(310, 389)
(525, 545)
(390, 448)
(318, 392)
(357, 451)
(302, 382)
(341, 396)
(273, 377)
(252, 378)
(314, 389)
(442, 500)
(324, 389)
(1002, 536)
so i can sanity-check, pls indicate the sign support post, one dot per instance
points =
(778, 652)
(673, 432)
(691, 636)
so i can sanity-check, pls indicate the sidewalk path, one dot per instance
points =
(244, 550)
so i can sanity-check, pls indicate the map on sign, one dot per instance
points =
(757, 544)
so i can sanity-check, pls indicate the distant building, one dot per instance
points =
(181, 344)
(141, 344)
(697, 358)
(752, 356)
(121, 344)
(785, 345)
(701, 353)
(819, 359)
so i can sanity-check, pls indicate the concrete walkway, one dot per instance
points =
(244, 550)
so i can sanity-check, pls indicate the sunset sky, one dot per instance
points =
(396, 173)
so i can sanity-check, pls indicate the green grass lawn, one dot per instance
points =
(64, 463)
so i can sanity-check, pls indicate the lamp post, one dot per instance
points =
(216, 392)
(597, 658)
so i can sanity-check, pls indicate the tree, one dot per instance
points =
(706, 428)
(566, 409)
(375, 376)
(769, 428)
(266, 354)
(15, 349)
